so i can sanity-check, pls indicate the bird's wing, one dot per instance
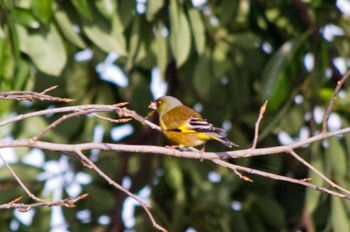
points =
(179, 119)
(202, 125)
(187, 120)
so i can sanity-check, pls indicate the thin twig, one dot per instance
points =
(261, 115)
(331, 183)
(332, 101)
(304, 182)
(68, 202)
(29, 96)
(81, 108)
(29, 193)
(59, 121)
(143, 204)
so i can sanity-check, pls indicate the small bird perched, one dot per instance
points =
(185, 126)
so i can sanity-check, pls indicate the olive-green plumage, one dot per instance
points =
(185, 126)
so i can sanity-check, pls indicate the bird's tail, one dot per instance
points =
(210, 131)
(225, 141)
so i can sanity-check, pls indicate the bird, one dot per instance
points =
(184, 126)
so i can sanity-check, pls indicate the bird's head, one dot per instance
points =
(164, 104)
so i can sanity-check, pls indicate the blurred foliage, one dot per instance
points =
(229, 56)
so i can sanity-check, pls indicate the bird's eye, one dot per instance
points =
(158, 102)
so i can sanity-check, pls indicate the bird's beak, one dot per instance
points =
(152, 106)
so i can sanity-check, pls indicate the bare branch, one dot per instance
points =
(30, 96)
(304, 182)
(331, 183)
(169, 151)
(30, 194)
(68, 202)
(40, 202)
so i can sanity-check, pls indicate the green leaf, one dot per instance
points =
(153, 6)
(161, 49)
(134, 41)
(198, 30)
(220, 63)
(340, 216)
(126, 12)
(270, 211)
(25, 172)
(42, 9)
(66, 26)
(276, 84)
(41, 219)
(337, 156)
(24, 17)
(106, 7)
(312, 197)
(84, 8)
(173, 174)
(45, 48)
(108, 40)
(180, 39)
(22, 73)
(278, 75)
(202, 76)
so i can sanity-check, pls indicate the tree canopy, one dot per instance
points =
(223, 58)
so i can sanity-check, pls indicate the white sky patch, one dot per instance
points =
(214, 21)
(165, 32)
(191, 229)
(58, 222)
(83, 178)
(298, 99)
(198, 3)
(334, 122)
(97, 138)
(214, 177)
(141, 6)
(158, 84)
(9, 155)
(129, 206)
(104, 220)
(120, 132)
(236, 205)
(284, 138)
(126, 183)
(112, 73)
(318, 114)
(330, 31)
(224, 80)
(84, 216)
(83, 55)
(74, 189)
(198, 107)
(34, 158)
(344, 6)
(266, 46)
(14, 225)
(227, 125)
(342, 94)
(340, 63)
(54, 174)
(25, 217)
(328, 73)
(309, 61)
(304, 133)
